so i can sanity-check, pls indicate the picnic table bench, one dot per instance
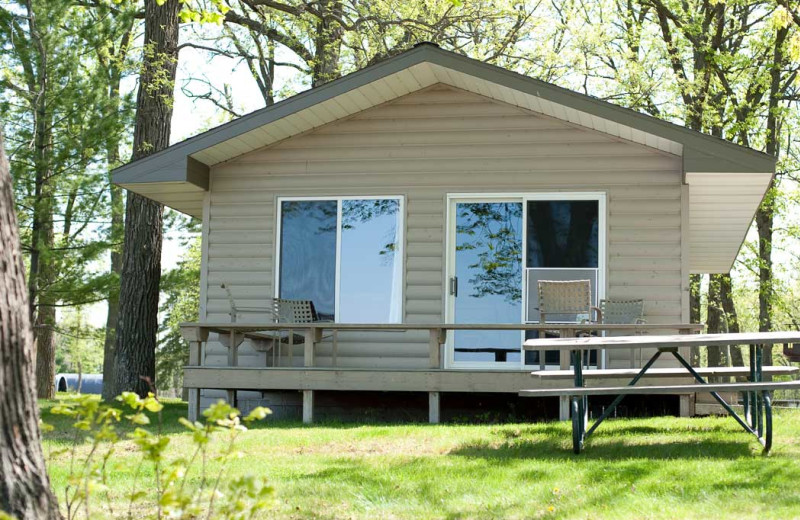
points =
(757, 393)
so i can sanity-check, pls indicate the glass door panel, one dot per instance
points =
(562, 243)
(487, 282)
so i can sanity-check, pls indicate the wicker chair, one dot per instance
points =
(571, 299)
(624, 312)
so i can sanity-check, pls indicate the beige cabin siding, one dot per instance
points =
(424, 146)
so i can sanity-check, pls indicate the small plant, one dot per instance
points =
(181, 487)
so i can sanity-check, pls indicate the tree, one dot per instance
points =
(57, 124)
(25, 487)
(137, 327)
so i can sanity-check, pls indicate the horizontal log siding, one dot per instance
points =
(423, 146)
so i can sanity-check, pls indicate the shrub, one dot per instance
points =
(181, 487)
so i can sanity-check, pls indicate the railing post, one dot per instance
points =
(437, 337)
(310, 337)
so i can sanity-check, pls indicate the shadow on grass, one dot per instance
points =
(554, 441)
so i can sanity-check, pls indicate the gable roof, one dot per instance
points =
(178, 175)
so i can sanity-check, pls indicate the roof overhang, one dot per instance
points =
(178, 176)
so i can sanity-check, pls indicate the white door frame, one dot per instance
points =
(523, 198)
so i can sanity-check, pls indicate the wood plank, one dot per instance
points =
(664, 372)
(662, 390)
(371, 379)
(665, 341)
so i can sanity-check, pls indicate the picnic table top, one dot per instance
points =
(664, 341)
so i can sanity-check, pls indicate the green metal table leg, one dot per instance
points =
(767, 398)
(608, 411)
(578, 405)
(759, 401)
(577, 427)
(716, 396)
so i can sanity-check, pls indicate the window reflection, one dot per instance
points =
(308, 253)
(370, 277)
(489, 271)
(562, 233)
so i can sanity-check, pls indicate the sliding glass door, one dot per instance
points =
(499, 248)
(486, 285)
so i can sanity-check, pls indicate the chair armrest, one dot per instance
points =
(598, 313)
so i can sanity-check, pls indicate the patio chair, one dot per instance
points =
(278, 310)
(624, 312)
(566, 301)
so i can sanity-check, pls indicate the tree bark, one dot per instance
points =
(42, 262)
(117, 232)
(726, 298)
(328, 43)
(137, 327)
(24, 487)
(715, 321)
(766, 213)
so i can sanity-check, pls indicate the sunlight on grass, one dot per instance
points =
(635, 468)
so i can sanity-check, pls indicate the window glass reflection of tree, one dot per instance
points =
(370, 274)
(562, 233)
(308, 253)
(491, 229)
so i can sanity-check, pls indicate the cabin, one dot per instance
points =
(416, 204)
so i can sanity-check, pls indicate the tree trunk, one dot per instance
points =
(716, 321)
(726, 297)
(42, 264)
(137, 327)
(117, 232)
(24, 487)
(328, 43)
(766, 213)
(109, 345)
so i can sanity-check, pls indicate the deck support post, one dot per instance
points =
(308, 406)
(433, 407)
(196, 336)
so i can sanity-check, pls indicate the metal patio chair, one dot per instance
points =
(624, 312)
(278, 310)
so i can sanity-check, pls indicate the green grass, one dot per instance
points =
(640, 468)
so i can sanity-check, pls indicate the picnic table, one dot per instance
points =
(757, 393)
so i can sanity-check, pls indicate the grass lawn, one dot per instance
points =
(643, 468)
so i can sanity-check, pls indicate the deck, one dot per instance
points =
(309, 378)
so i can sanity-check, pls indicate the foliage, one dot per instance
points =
(182, 487)
(180, 288)
(79, 346)
(48, 80)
